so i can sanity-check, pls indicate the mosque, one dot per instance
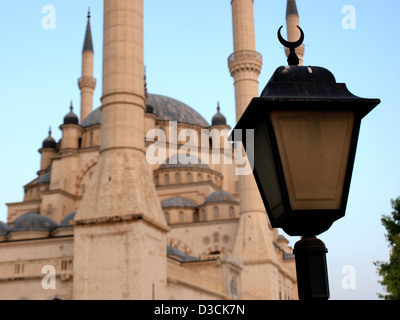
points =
(110, 225)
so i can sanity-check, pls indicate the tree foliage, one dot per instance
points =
(390, 271)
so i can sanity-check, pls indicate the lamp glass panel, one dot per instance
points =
(314, 149)
(264, 166)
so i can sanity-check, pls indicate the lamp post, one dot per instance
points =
(306, 127)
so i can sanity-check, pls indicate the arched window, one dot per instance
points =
(189, 177)
(83, 189)
(196, 217)
(91, 139)
(199, 177)
(177, 178)
(181, 217)
(166, 179)
(231, 212)
(203, 215)
(166, 215)
(216, 237)
(216, 212)
(157, 180)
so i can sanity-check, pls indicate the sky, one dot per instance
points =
(187, 44)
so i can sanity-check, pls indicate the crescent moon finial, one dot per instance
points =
(293, 59)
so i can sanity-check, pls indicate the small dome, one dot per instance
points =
(71, 117)
(66, 221)
(180, 254)
(149, 109)
(178, 202)
(49, 142)
(219, 118)
(4, 229)
(221, 196)
(33, 221)
(192, 162)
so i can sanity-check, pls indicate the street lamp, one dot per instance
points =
(306, 127)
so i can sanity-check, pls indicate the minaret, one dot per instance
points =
(293, 33)
(87, 83)
(119, 227)
(254, 243)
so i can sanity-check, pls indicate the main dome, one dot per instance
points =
(166, 108)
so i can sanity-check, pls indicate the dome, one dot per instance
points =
(192, 162)
(4, 229)
(221, 196)
(71, 117)
(92, 118)
(49, 142)
(34, 221)
(66, 221)
(178, 202)
(166, 108)
(219, 118)
(173, 110)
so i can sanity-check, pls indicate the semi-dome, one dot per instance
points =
(4, 229)
(178, 202)
(44, 178)
(166, 108)
(174, 162)
(33, 221)
(71, 117)
(220, 196)
(66, 221)
(49, 142)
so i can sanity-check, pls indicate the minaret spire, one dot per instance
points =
(293, 33)
(87, 83)
(88, 44)
(291, 8)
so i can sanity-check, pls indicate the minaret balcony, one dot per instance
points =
(87, 82)
(245, 60)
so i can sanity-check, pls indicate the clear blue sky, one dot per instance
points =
(187, 44)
